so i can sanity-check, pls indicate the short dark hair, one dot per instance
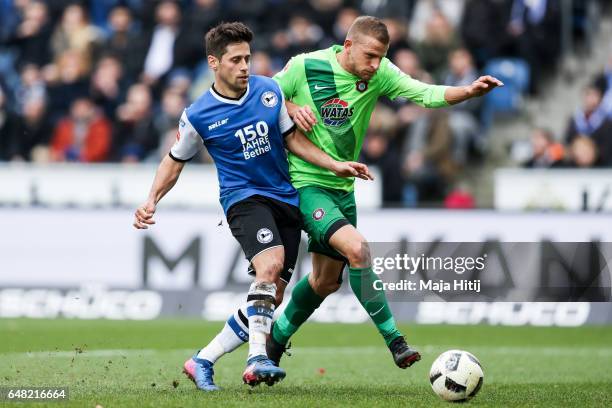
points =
(370, 26)
(219, 37)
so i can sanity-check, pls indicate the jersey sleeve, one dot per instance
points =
(188, 141)
(396, 84)
(288, 77)
(285, 123)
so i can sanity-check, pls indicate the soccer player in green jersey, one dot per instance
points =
(332, 93)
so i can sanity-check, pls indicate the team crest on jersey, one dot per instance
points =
(336, 112)
(264, 235)
(361, 86)
(269, 99)
(318, 214)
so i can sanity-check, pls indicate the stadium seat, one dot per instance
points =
(515, 74)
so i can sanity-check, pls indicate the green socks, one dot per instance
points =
(374, 302)
(304, 301)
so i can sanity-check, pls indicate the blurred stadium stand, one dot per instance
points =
(514, 73)
(90, 81)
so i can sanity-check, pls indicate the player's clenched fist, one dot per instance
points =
(144, 216)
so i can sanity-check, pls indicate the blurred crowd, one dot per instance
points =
(587, 142)
(107, 80)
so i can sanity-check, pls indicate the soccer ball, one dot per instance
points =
(456, 375)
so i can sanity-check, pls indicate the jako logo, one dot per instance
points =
(335, 112)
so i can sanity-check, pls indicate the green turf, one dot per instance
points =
(137, 364)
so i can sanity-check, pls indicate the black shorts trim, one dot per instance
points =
(335, 227)
(286, 275)
(290, 131)
(264, 250)
(176, 159)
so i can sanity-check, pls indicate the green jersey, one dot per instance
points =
(343, 105)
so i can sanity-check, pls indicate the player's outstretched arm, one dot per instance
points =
(480, 87)
(167, 173)
(302, 147)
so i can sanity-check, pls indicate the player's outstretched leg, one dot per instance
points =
(306, 297)
(260, 311)
(235, 333)
(349, 242)
(304, 301)
(201, 372)
(275, 349)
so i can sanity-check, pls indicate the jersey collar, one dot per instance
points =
(226, 99)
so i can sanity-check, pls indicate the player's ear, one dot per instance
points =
(213, 62)
(348, 44)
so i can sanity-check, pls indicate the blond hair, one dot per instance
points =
(369, 26)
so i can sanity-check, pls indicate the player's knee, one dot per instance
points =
(358, 254)
(279, 298)
(324, 288)
(275, 267)
(316, 286)
(320, 289)
(331, 287)
(271, 269)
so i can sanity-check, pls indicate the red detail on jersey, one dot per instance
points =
(361, 85)
(318, 214)
(336, 101)
(178, 135)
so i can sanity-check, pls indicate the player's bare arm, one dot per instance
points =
(301, 146)
(167, 174)
(480, 87)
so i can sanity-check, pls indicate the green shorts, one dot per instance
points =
(325, 211)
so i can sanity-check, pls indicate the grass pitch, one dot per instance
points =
(138, 364)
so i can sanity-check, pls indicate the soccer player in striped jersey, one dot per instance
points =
(243, 122)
